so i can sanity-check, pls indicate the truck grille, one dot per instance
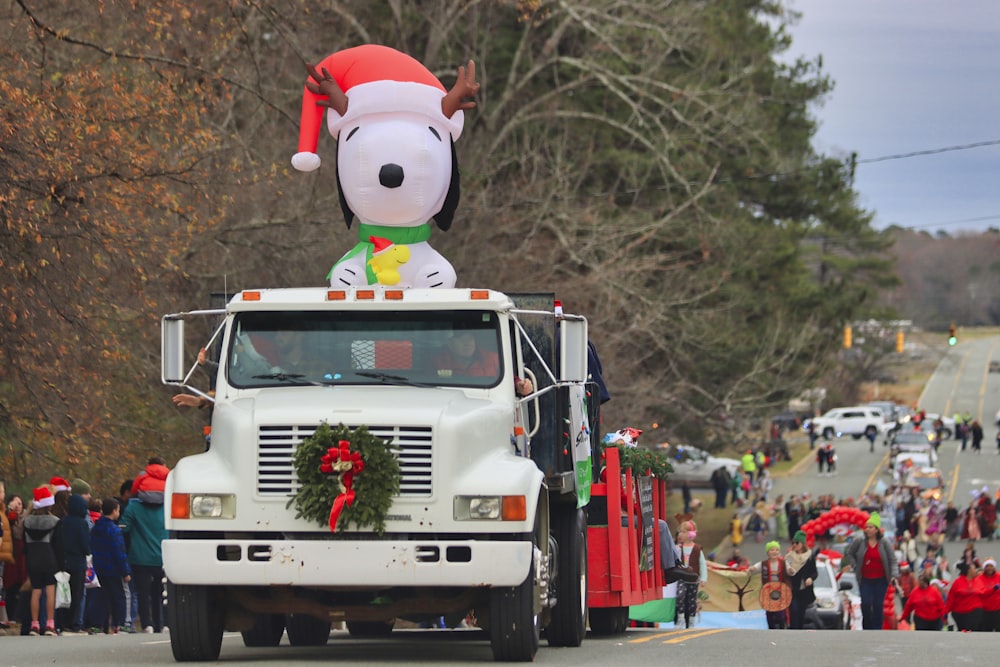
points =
(275, 445)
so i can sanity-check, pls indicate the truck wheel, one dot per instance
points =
(266, 631)
(370, 628)
(606, 621)
(828, 433)
(568, 625)
(305, 630)
(195, 622)
(514, 624)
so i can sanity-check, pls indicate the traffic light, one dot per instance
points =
(899, 342)
(952, 338)
(847, 337)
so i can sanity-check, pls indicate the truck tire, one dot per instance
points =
(828, 433)
(196, 623)
(606, 621)
(305, 630)
(568, 625)
(514, 625)
(370, 628)
(266, 631)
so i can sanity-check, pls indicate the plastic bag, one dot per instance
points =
(64, 597)
(90, 579)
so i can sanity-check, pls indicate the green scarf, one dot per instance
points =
(396, 235)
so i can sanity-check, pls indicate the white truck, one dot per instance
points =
(489, 519)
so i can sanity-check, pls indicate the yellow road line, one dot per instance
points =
(875, 473)
(954, 483)
(683, 638)
(649, 638)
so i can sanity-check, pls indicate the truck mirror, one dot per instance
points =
(172, 350)
(573, 345)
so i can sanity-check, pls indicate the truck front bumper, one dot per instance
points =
(346, 563)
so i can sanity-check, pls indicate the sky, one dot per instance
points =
(911, 76)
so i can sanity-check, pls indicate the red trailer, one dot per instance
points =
(623, 564)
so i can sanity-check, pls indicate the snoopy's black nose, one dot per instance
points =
(390, 175)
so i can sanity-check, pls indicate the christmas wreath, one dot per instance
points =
(640, 461)
(345, 477)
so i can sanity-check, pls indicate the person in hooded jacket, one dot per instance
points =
(143, 523)
(44, 555)
(111, 566)
(76, 544)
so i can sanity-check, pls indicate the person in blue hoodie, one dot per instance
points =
(76, 543)
(111, 566)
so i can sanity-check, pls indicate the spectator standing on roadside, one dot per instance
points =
(821, 459)
(6, 554)
(111, 566)
(44, 556)
(720, 482)
(736, 530)
(800, 563)
(813, 435)
(925, 604)
(15, 572)
(874, 560)
(735, 484)
(990, 580)
(76, 545)
(749, 462)
(143, 522)
(965, 598)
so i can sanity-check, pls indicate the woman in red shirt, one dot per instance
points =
(965, 598)
(990, 581)
(872, 558)
(926, 605)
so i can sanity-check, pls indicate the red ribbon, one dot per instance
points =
(345, 463)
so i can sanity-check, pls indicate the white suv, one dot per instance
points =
(854, 421)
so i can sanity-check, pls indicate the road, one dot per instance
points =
(442, 648)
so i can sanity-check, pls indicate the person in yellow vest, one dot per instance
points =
(749, 464)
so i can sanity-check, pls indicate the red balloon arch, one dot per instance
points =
(835, 515)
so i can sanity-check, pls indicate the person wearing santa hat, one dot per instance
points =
(59, 484)
(43, 558)
(989, 578)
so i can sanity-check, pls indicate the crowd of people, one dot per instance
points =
(74, 563)
(901, 547)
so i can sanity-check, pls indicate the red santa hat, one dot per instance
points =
(59, 484)
(43, 497)
(379, 244)
(376, 79)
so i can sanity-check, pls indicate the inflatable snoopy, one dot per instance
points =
(395, 127)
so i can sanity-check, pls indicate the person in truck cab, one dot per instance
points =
(463, 355)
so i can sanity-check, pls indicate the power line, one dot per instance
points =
(948, 223)
(929, 151)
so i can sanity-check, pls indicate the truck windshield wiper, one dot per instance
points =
(391, 379)
(283, 377)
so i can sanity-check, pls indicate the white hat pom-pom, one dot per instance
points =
(306, 161)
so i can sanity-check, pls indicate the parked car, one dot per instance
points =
(831, 612)
(695, 466)
(788, 420)
(855, 421)
(891, 411)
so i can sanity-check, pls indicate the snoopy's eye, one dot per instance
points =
(435, 133)
(351, 133)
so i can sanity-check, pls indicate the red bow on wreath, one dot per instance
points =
(346, 464)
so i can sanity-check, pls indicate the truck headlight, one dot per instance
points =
(490, 508)
(202, 506)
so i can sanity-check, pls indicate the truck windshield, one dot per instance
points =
(442, 348)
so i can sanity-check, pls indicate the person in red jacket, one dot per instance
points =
(965, 598)
(926, 604)
(990, 580)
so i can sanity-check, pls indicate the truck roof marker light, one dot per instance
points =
(336, 295)
(394, 295)
(479, 294)
(365, 295)
(251, 295)
(514, 508)
(180, 506)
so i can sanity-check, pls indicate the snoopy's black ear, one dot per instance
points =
(447, 212)
(344, 206)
